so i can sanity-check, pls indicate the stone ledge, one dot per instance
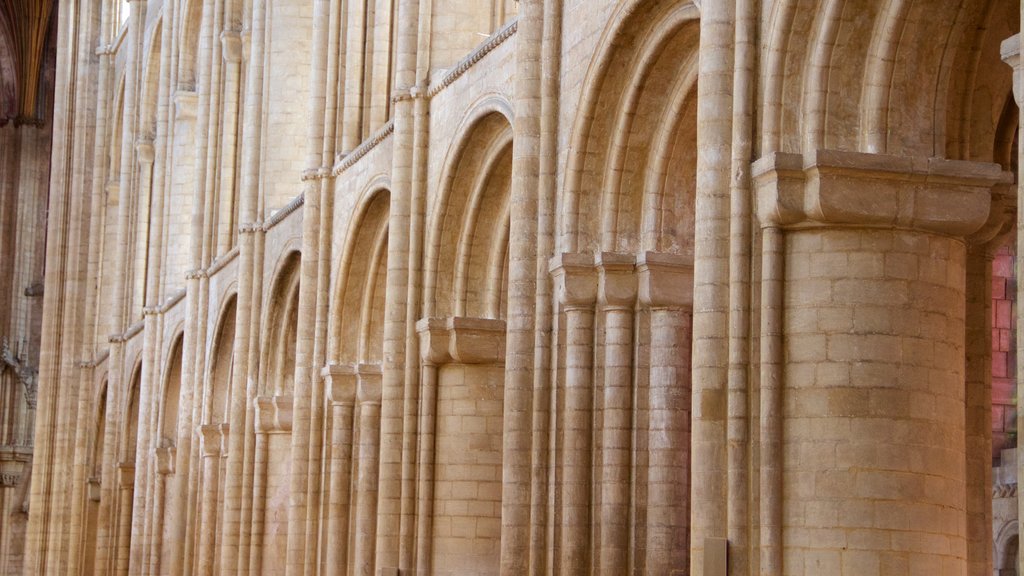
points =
(851, 188)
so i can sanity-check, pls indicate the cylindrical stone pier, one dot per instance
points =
(873, 408)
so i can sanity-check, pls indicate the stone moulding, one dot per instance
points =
(461, 340)
(462, 66)
(346, 161)
(851, 188)
(285, 211)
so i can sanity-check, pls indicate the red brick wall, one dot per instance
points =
(1004, 358)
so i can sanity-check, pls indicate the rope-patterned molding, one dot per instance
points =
(222, 261)
(85, 364)
(1004, 491)
(315, 174)
(348, 160)
(128, 334)
(251, 228)
(277, 217)
(496, 39)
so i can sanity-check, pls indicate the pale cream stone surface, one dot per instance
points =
(466, 287)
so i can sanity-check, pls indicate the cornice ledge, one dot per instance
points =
(829, 187)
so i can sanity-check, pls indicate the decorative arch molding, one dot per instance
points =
(931, 83)
(356, 332)
(637, 109)
(280, 322)
(1005, 537)
(472, 214)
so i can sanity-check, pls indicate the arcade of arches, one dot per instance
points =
(482, 287)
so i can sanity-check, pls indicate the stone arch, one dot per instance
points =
(932, 81)
(169, 407)
(472, 215)
(130, 424)
(630, 182)
(358, 332)
(188, 42)
(1007, 549)
(96, 458)
(221, 365)
(281, 325)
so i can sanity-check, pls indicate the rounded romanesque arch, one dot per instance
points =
(281, 325)
(631, 179)
(624, 282)
(357, 331)
(221, 365)
(467, 258)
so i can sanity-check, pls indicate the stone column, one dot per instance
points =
(164, 470)
(873, 337)
(213, 436)
(368, 397)
(272, 415)
(341, 384)
(666, 290)
(617, 290)
(126, 492)
(576, 286)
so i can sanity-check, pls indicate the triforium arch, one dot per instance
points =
(281, 318)
(624, 283)
(467, 240)
(352, 379)
(462, 347)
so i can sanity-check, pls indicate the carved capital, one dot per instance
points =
(368, 388)
(94, 488)
(341, 382)
(9, 480)
(575, 280)
(835, 188)
(165, 460)
(461, 340)
(185, 104)
(274, 414)
(214, 438)
(666, 281)
(145, 151)
(617, 283)
(1010, 52)
(126, 475)
(231, 46)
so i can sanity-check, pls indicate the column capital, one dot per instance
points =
(144, 149)
(274, 414)
(165, 460)
(340, 380)
(214, 439)
(1010, 52)
(836, 188)
(185, 104)
(1002, 220)
(126, 475)
(462, 340)
(369, 384)
(231, 46)
(666, 280)
(617, 282)
(575, 279)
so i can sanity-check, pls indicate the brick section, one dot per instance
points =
(874, 403)
(1004, 357)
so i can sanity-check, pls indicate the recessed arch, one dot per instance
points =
(467, 239)
(281, 328)
(357, 332)
(630, 181)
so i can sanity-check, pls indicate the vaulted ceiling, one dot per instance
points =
(24, 28)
